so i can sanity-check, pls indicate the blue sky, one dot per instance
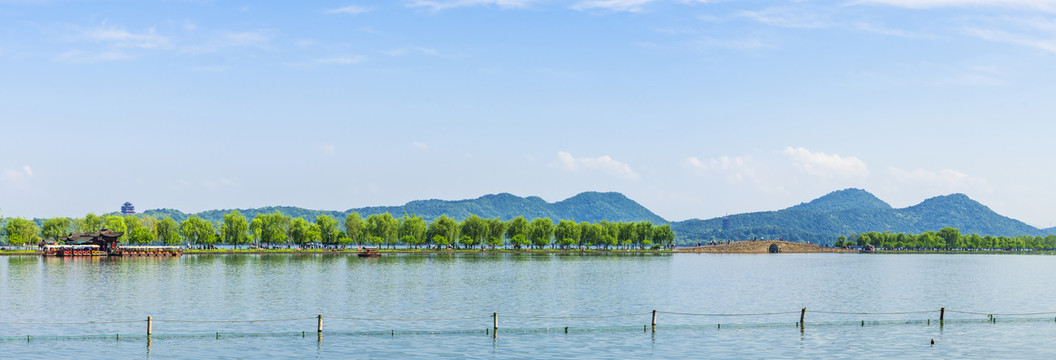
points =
(693, 108)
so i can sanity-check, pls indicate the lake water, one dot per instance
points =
(429, 299)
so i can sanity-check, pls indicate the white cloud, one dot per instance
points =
(612, 5)
(412, 50)
(122, 38)
(603, 164)
(343, 60)
(945, 180)
(329, 149)
(436, 5)
(1044, 42)
(350, 10)
(245, 39)
(85, 57)
(1045, 5)
(420, 145)
(788, 18)
(822, 164)
(736, 168)
(14, 176)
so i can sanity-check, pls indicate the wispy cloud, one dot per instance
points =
(789, 18)
(349, 10)
(329, 149)
(612, 5)
(1043, 42)
(87, 57)
(340, 60)
(736, 167)
(13, 176)
(123, 38)
(604, 164)
(420, 145)
(1044, 5)
(822, 164)
(942, 180)
(411, 50)
(436, 5)
(260, 39)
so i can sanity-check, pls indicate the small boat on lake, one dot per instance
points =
(369, 253)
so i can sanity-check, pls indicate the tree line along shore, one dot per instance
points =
(378, 230)
(948, 238)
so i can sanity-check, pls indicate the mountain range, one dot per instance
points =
(586, 206)
(856, 211)
(821, 220)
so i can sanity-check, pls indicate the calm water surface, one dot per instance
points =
(184, 293)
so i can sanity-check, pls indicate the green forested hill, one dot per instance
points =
(820, 221)
(855, 211)
(587, 206)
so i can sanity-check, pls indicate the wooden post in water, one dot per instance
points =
(654, 320)
(942, 315)
(495, 321)
(150, 326)
(319, 324)
(802, 315)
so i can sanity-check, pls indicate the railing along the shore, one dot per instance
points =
(651, 325)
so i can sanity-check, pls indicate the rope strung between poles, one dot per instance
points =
(698, 314)
(995, 314)
(573, 317)
(872, 313)
(392, 319)
(232, 321)
(70, 323)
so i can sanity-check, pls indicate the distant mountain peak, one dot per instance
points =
(846, 199)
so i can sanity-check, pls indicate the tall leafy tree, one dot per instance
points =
(662, 235)
(476, 228)
(567, 234)
(273, 227)
(140, 235)
(327, 229)
(167, 231)
(197, 231)
(116, 223)
(496, 232)
(235, 228)
(540, 232)
(383, 229)
(517, 226)
(644, 233)
(21, 232)
(354, 227)
(412, 230)
(299, 231)
(55, 228)
(445, 227)
(89, 223)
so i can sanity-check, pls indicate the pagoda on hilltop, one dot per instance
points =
(127, 208)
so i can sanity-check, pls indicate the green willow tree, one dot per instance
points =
(235, 229)
(21, 232)
(328, 232)
(197, 231)
(117, 224)
(355, 228)
(412, 230)
(444, 227)
(167, 231)
(55, 228)
(540, 232)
